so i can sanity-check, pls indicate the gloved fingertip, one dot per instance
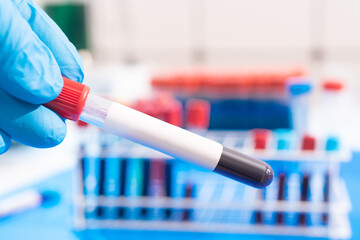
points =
(78, 76)
(45, 91)
(51, 88)
(54, 136)
(5, 142)
(75, 73)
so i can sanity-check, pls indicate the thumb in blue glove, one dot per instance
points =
(34, 54)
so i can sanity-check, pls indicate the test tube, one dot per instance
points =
(258, 215)
(100, 210)
(333, 102)
(325, 216)
(75, 102)
(188, 194)
(26, 200)
(168, 186)
(134, 184)
(332, 145)
(144, 212)
(298, 89)
(281, 197)
(308, 145)
(288, 178)
(304, 197)
(197, 114)
(261, 139)
(81, 168)
(157, 184)
(123, 182)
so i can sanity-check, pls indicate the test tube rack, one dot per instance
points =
(124, 186)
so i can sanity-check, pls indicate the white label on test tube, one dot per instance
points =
(133, 125)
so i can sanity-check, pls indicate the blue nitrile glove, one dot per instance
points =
(34, 54)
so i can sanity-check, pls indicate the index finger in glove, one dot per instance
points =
(51, 35)
(28, 69)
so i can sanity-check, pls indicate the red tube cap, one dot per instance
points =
(308, 142)
(261, 138)
(70, 102)
(197, 114)
(333, 85)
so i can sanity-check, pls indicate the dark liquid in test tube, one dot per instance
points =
(260, 138)
(304, 197)
(168, 186)
(82, 168)
(157, 177)
(157, 185)
(145, 186)
(100, 211)
(308, 144)
(281, 197)
(259, 216)
(325, 216)
(122, 183)
(189, 194)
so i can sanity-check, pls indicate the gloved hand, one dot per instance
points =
(34, 54)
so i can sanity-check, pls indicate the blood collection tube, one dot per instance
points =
(189, 193)
(304, 198)
(281, 197)
(75, 102)
(100, 209)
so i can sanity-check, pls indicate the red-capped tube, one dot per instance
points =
(261, 138)
(75, 102)
(333, 85)
(308, 142)
(197, 114)
(70, 102)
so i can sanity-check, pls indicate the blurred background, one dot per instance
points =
(142, 53)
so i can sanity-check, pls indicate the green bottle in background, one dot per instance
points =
(71, 19)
